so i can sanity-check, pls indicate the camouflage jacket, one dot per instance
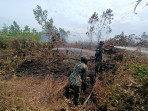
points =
(79, 74)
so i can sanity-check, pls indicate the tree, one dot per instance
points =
(41, 17)
(98, 25)
(26, 30)
(14, 29)
(104, 23)
(64, 34)
(50, 31)
(144, 39)
(16, 26)
(47, 25)
(5, 30)
(34, 32)
(131, 40)
(137, 3)
(91, 30)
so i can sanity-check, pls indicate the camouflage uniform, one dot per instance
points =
(98, 60)
(77, 79)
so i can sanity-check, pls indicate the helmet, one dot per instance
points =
(84, 59)
(101, 42)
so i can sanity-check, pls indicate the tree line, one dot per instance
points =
(129, 40)
(14, 30)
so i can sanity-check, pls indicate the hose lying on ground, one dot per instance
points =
(89, 94)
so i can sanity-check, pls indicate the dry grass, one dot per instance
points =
(31, 93)
(120, 90)
(44, 90)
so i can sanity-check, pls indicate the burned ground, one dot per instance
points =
(37, 80)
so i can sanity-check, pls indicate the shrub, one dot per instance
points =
(3, 44)
(141, 72)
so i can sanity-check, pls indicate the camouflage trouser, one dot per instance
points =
(98, 67)
(77, 90)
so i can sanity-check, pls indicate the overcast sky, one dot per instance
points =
(73, 15)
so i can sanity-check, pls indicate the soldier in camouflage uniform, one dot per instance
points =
(98, 59)
(78, 79)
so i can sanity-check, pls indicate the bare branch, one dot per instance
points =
(138, 2)
(145, 5)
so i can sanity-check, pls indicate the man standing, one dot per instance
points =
(78, 79)
(98, 59)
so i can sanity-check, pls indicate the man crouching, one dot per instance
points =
(78, 79)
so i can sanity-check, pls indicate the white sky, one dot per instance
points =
(73, 15)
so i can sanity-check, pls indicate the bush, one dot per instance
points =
(141, 72)
(17, 42)
(3, 44)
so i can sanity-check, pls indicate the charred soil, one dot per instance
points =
(35, 79)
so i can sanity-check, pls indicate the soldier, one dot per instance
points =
(78, 79)
(98, 59)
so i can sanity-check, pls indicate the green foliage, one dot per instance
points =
(40, 15)
(141, 72)
(64, 34)
(47, 25)
(4, 30)
(14, 31)
(26, 30)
